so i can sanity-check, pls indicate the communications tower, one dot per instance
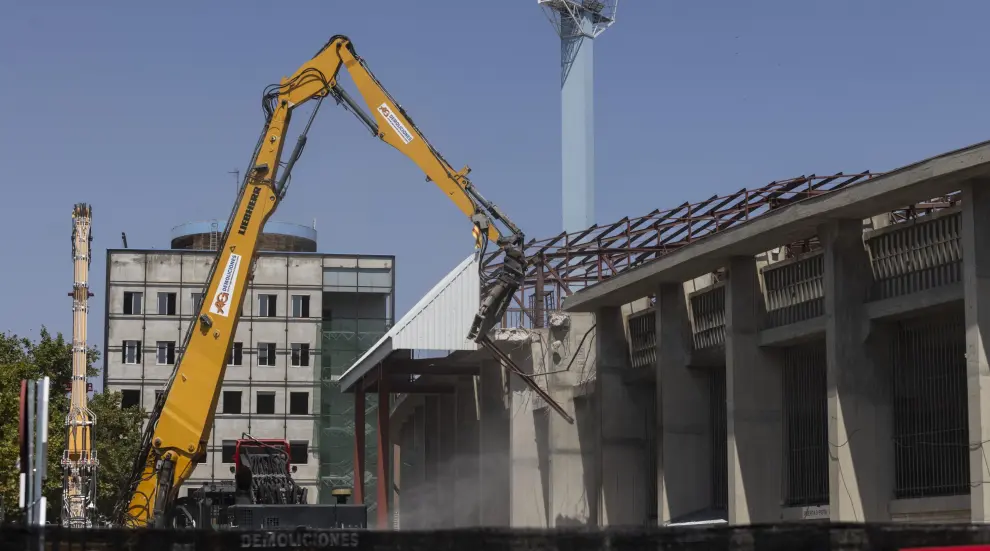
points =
(79, 461)
(578, 23)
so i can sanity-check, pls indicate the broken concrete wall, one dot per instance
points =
(516, 462)
(552, 461)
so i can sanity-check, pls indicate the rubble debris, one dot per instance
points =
(512, 334)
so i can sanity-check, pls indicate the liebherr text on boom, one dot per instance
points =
(176, 437)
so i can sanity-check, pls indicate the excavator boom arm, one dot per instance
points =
(180, 423)
(389, 122)
(178, 430)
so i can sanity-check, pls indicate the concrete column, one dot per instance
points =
(529, 442)
(623, 469)
(467, 501)
(383, 519)
(431, 456)
(976, 290)
(684, 443)
(574, 486)
(407, 492)
(404, 436)
(753, 396)
(417, 491)
(446, 466)
(859, 407)
(494, 446)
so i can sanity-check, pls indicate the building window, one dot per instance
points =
(227, 451)
(300, 306)
(231, 401)
(298, 403)
(132, 302)
(131, 352)
(236, 354)
(197, 302)
(266, 306)
(298, 452)
(300, 354)
(130, 398)
(266, 354)
(166, 353)
(266, 403)
(166, 304)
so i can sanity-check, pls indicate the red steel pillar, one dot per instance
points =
(359, 447)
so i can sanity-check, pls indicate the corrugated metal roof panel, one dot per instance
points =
(439, 321)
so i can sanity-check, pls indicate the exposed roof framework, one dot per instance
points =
(563, 264)
(943, 175)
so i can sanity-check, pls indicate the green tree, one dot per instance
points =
(117, 439)
(114, 439)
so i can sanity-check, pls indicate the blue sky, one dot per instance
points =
(142, 109)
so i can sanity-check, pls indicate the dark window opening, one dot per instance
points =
(266, 403)
(132, 302)
(299, 452)
(300, 306)
(300, 354)
(166, 304)
(267, 305)
(131, 352)
(130, 398)
(266, 354)
(231, 401)
(236, 354)
(298, 403)
(166, 353)
(227, 451)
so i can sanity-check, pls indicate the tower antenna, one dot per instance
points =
(578, 23)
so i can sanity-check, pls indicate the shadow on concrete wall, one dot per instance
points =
(541, 422)
(586, 419)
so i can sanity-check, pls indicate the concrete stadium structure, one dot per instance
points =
(734, 378)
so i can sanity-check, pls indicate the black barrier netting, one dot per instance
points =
(787, 537)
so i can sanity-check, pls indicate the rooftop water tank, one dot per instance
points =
(278, 236)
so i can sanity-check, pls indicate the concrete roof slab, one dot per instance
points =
(923, 180)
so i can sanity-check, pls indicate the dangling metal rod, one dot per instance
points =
(487, 343)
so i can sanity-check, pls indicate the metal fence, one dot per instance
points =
(718, 429)
(781, 537)
(931, 436)
(805, 420)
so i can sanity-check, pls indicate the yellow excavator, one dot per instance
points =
(176, 437)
